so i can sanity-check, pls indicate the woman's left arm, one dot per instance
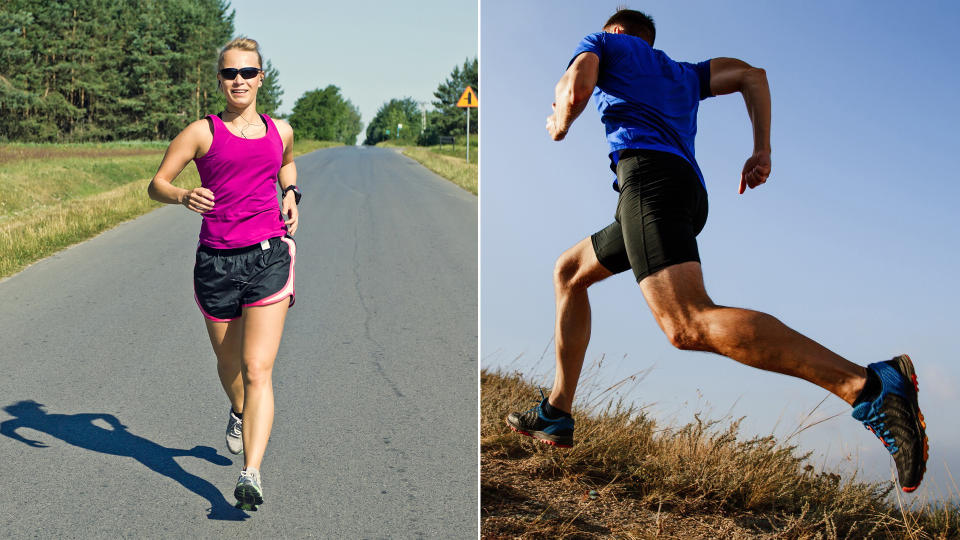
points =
(288, 177)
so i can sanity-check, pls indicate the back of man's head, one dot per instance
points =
(634, 23)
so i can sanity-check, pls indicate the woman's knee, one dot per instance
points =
(257, 371)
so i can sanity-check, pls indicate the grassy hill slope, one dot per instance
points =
(628, 477)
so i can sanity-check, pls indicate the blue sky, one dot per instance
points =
(852, 241)
(373, 51)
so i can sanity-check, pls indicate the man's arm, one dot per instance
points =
(729, 75)
(572, 93)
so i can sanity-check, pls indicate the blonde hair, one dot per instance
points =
(242, 43)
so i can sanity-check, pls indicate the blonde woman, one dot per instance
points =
(244, 271)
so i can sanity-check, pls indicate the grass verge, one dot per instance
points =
(305, 146)
(628, 477)
(449, 162)
(55, 195)
(455, 169)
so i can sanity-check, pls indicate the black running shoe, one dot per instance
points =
(532, 423)
(895, 418)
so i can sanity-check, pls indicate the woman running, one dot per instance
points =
(244, 268)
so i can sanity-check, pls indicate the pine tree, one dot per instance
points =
(450, 119)
(109, 69)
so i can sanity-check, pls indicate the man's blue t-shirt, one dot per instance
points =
(646, 100)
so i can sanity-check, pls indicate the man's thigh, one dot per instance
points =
(675, 291)
(662, 208)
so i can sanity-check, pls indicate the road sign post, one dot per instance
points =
(468, 101)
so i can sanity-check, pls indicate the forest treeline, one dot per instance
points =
(425, 127)
(98, 70)
(107, 70)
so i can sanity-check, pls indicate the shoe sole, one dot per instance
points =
(906, 367)
(545, 438)
(247, 497)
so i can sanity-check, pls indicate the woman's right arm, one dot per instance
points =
(184, 147)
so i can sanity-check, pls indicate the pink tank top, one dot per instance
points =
(242, 174)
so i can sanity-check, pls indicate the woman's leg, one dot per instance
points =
(262, 329)
(226, 338)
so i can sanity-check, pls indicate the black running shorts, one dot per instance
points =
(227, 280)
(662, 209)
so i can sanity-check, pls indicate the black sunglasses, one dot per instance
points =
(230, 74)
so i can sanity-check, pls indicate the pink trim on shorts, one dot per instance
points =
(205, 314)
(288, 289)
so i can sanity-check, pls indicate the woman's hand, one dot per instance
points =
(290, 212)
(199, 200)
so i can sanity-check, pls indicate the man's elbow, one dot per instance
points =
(572, 95)
(581, 93)
(754, 75)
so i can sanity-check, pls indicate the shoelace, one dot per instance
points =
(252, 477)
(237, 429)
(877, 426)
(538, 402)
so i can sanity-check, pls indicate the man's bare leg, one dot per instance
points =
(575, 271)
(692, 321)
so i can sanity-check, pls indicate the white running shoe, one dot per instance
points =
(248, 492)
(235, 434)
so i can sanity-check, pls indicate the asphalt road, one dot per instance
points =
(112, 418)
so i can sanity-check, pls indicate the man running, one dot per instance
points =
(648, 104)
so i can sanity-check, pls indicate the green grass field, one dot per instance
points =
(55, 195)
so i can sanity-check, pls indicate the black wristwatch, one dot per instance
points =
(296, 192)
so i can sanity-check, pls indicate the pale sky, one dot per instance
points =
(852, 241)
(374, 51)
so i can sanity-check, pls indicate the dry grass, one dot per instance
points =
(682, 482)
(455, 169)
(448, 161)
(29, 185)
(305, 146)
(52, 228)
(53, 196)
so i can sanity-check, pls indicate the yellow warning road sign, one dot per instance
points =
(468, 99)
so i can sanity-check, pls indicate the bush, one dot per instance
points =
(429, 137)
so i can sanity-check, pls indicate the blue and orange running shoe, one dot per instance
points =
(895, 418)
(533, 423)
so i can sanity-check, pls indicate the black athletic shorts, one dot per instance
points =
(662, 209)
(227, 280)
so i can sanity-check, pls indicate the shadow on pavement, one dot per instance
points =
(79, 430)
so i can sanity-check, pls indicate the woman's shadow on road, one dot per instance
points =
(79, 430)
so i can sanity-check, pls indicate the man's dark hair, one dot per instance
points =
(635, 23)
